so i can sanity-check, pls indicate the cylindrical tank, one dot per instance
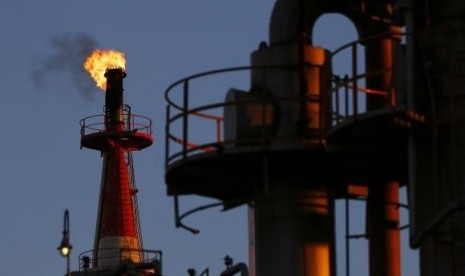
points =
(293, 220)
(298, 81)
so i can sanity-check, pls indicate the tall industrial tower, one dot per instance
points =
(303, 137)
(118, 246)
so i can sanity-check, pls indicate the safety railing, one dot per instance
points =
(132, 183)
(132, 123)
(345, 101)
(351, 90)
(90, 259)
(180, 111)
(183, 112)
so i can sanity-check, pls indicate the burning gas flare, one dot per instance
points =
(101, 60)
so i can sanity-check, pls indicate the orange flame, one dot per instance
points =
(101, 60)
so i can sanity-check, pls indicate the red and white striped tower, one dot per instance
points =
(117, 236)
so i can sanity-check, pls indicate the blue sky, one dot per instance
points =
(44, 171)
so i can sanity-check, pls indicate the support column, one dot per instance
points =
(294, 232)
(383, 229)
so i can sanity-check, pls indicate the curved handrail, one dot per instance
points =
(183, 111)
(366, 39)
(146, 256)
(132, 122)
(218, 143)
(350, 84)
(215, 72)
(179, 218)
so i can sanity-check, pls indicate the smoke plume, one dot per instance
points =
(69, 52)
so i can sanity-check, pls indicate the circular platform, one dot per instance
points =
(130, 140)
(367, 150)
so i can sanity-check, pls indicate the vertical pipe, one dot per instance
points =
(251, 224)
(354, 81)
(346, 96)
(167, 135)
(338, 109)
(68, 268)
(411, 105)
(294, 232)
(185, 118)
(383, 229)
(218, 130)
(176, 211)
(319, 246)
(379, 64)
(316, 88)
(382, 214)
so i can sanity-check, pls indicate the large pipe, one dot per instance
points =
(114, 99)
(383, 229)
(293, 221)
(382, 210)
(294, 232)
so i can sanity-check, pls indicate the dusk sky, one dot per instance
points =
(46, 93)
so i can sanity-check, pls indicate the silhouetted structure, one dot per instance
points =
(302, 137)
